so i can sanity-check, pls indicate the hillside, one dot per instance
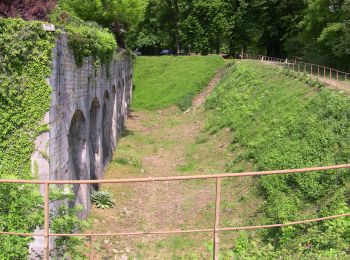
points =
(280, 121)
(164, 81)
(259, 117)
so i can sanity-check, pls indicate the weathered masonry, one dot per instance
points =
(89, 106)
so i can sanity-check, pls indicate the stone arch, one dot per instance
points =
(106, 128)
(119, 109)
(78, 159)
(125, 102)
(95, 141)
(114, 117)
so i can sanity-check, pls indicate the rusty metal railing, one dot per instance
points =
(321, 72)
(216, 225)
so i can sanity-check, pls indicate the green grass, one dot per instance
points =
(161, 82)
(284, 123)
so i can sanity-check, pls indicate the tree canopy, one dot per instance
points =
(317, 30)
(314, 30)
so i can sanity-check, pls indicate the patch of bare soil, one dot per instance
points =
(199, 100)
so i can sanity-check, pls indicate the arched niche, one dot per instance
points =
(95, 141)
(106, 128)
(119, 108)
(114, 117)
(78, 159)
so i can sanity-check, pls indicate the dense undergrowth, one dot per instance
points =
(280, 122)
(164, 81)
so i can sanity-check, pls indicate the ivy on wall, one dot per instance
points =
(86, 39)
(26, 58)
(25, 64)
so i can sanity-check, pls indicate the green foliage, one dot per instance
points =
(118, 15)
(64, 219)
(105, 12)
(164, 81)
(21, 210)
(326, 32)
(26, 52)
(102, 199)
(286, 124)
(86, 39)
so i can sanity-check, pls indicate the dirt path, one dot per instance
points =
(165, 143)
(200, 99)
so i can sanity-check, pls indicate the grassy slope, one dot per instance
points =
(164, 81)
(284, 123)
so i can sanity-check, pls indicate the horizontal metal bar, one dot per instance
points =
(286, 224)
(180, 178)
(164, 232)
(20, 234)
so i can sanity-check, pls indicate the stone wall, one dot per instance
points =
(89, 106)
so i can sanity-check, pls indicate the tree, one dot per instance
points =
(27, 9)
(326, 32)
(118, 15)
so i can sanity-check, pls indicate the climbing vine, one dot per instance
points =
(25, 63)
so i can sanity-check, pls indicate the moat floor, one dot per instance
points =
(167, 143)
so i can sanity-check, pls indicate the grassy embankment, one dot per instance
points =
(283, 120)
(164, 81)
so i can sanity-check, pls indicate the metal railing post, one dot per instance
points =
(90, 247)
(46, 221)
(217, 219)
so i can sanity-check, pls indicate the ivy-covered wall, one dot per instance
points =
(50, 82)
(25, 63)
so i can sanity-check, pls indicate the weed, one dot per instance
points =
(102, 199)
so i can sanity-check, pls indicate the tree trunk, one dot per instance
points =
(173, 4)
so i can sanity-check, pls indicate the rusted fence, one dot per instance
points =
(321, 72)
(216, 229)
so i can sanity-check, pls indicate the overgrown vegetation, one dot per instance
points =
(26, 58)
(87, 39)
(286, 124)
(164, 81)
